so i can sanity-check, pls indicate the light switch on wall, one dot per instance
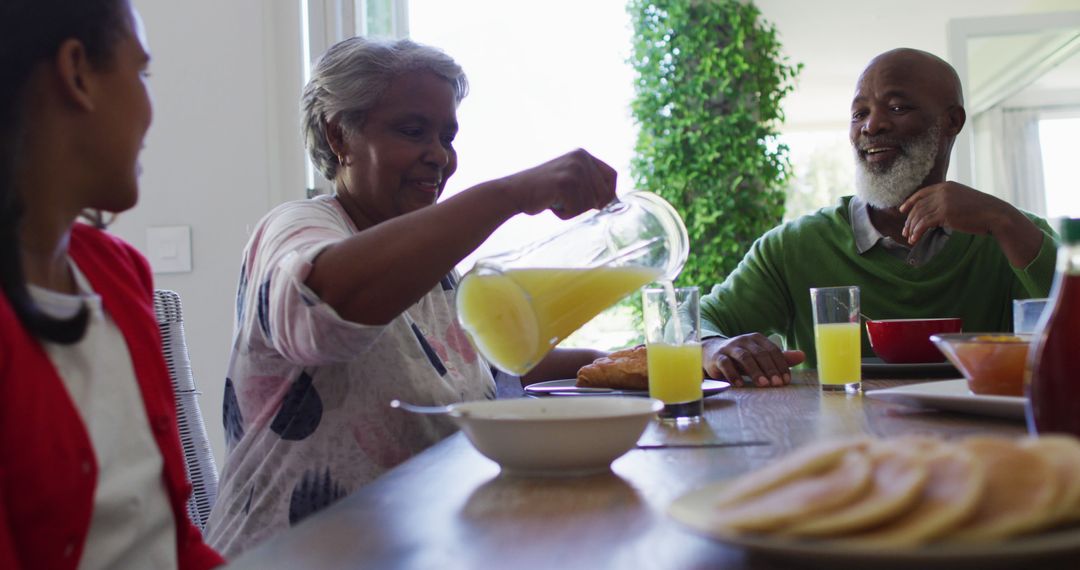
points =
(169, 248)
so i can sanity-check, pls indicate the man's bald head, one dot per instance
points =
(924, 68)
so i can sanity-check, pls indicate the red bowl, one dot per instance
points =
(906, 341)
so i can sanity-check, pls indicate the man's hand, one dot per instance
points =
(750, 355)
(967, 210)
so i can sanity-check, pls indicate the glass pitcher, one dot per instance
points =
(516, 306)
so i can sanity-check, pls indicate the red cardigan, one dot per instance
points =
(47, 468)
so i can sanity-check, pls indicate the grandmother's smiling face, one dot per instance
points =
(400, 158)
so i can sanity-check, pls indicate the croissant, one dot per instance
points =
(623, 369)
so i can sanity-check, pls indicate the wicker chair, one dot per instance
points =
(198, 459)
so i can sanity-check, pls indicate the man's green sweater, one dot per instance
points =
(970, 278)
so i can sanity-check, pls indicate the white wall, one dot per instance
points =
(217, 157)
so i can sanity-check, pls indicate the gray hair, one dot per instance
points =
(348, 81)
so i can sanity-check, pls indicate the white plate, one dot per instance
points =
(568, 387)
(693, 510)
(951, 395)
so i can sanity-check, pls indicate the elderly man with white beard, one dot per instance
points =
(918, 246)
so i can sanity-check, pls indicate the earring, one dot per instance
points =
(341, 160)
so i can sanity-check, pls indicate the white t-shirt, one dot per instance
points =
(132, 524)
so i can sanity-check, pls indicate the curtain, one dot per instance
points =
(1017, 158)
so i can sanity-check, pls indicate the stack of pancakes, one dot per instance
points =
(907, 491)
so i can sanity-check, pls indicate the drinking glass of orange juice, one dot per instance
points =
(837, 337)
(673, 341)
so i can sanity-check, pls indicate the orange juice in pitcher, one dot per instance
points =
(517, 306)
(516, 317)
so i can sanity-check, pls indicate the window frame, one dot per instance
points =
(327, 22)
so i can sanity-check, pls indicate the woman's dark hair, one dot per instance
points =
(31, 31)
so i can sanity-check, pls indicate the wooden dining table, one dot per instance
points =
(449, 507)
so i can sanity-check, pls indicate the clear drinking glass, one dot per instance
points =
(673, 341)
(1026, 314)
(837, 337)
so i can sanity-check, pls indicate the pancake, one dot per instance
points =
(897, 482)
(1021, 487)
(800, 498)
(905, 492)
(1063, 452)
(954, 485)
(808, 460)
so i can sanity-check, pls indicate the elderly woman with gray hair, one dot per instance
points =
(347, 301)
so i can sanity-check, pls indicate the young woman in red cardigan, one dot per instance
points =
(91, 472)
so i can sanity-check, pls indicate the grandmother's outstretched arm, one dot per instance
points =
(373, 276)
(561, 363)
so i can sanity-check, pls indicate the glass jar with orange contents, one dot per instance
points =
(992, 363)
(1053, 385)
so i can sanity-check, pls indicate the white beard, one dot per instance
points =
(888, 186)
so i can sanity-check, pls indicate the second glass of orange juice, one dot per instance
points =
(673, 340)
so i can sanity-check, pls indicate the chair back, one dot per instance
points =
(198, 459)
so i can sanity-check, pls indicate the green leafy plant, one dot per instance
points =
(710, 79)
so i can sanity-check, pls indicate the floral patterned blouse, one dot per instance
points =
(306, 409)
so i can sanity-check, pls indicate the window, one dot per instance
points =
(1057, 137)
(536, 91)
(823, 170)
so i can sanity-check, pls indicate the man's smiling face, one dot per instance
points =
(897, 130)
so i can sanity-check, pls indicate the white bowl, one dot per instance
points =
(555, 436)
